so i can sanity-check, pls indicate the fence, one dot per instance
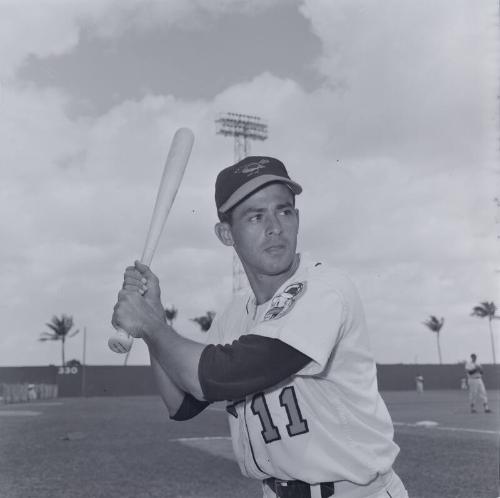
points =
(18, 393)
(138, 380)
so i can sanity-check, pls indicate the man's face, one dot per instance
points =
(264, 230)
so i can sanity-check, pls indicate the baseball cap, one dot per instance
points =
(236, 182)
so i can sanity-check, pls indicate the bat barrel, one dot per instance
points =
(175, 165)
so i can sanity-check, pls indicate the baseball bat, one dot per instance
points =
(175, 165)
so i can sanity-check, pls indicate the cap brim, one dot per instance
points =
(254, 184)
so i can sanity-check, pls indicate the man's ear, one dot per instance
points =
(223, 232)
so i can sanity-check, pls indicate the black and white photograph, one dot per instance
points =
(250, 248)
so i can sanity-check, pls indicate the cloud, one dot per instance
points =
(396, 160)
(409, 78)
(54, 27)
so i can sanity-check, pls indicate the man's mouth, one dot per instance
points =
(275, 248)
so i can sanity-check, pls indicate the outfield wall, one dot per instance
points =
(28, 375)
(402, 377)
(138, 380)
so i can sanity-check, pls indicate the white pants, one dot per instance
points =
(388, 485)
(477, 390)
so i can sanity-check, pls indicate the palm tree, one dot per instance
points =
(60, 330)
(487, 310)
(205, 321)
(171, 314)
(435, 325)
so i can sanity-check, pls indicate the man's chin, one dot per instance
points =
(280, 264)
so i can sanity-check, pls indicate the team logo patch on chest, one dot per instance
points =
(285, 301)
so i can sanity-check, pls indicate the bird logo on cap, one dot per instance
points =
(252, 168)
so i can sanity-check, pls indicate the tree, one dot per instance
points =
(171, 314)
(60, 330)
(435, 326)
(205, 321)
(487, 310)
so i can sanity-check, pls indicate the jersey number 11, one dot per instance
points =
(296, 423)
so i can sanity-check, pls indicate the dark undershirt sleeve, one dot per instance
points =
(250, 364)
(472, 372)
(189, 408)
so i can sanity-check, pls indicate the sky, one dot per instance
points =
(385, 111)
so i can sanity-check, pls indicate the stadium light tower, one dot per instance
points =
(243, 128)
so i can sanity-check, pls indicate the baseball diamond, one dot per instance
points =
(128, 447)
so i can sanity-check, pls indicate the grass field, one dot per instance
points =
(128, 448)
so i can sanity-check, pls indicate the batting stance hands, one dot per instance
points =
(139, 309)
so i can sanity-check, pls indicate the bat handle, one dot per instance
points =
(120, 342)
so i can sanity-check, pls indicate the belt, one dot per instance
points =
(297, 489)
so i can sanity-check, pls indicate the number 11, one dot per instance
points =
(296, 426)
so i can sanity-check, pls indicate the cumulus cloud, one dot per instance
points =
(395, 153)
(409, 77)
(54, 27)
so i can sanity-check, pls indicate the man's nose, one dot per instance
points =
(273, 225)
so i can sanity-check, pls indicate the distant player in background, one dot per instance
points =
(419, 383)
(291, 356)
(476, 385)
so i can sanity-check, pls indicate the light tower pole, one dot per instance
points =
(243, 128)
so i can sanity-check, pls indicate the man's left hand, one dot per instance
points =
(133, 314)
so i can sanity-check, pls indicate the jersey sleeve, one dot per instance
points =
(313, 323)
(248, 365)
(471, 368)
(190, 407)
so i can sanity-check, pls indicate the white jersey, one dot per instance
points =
(473, 369)
(327, 422)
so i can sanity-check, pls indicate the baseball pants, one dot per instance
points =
(477, 391)
(388, 485)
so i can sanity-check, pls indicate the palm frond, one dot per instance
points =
(171, 313)
(434, 324)
(479, 311)
(46, 336)
(60, 327)
(53, 327)
(490, 305)
(485, 309)
(205, 321)
(74, 333)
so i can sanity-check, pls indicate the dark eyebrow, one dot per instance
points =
(249, 210)
(255, 210)
(285, 205)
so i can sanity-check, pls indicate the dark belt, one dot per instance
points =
(297, 489)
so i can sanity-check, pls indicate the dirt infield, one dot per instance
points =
(128, 448)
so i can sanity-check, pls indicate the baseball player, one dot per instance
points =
(419, 383)
(477, 390)
(291, 356)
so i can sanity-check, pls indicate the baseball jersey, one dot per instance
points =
(328, 421)
(474, 369)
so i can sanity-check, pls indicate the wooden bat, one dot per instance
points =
(175, 165)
